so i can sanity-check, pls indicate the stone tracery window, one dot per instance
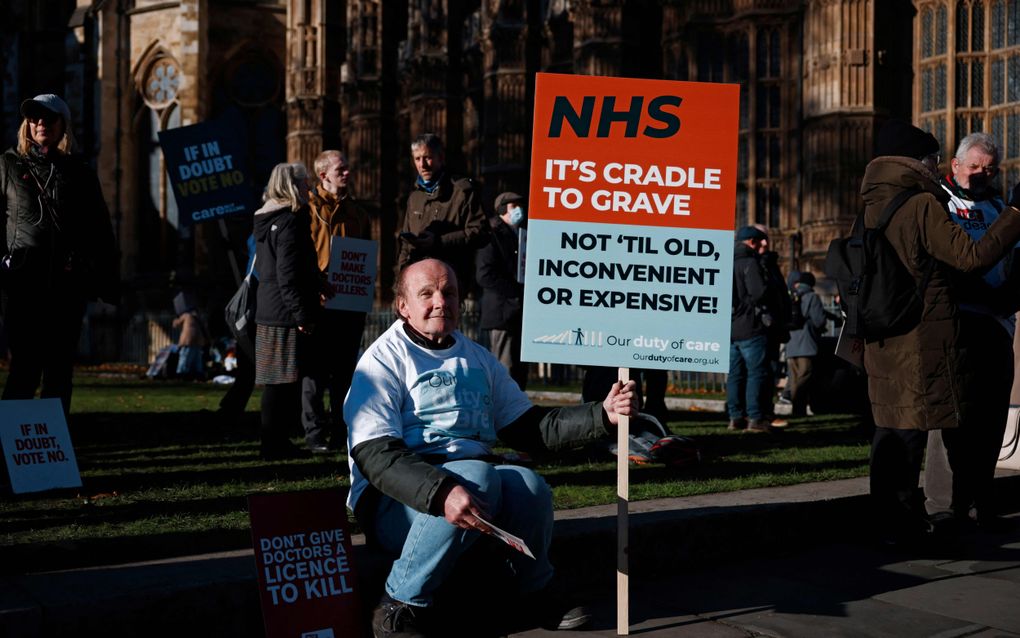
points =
(979, 65)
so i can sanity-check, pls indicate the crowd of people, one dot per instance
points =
(421, 411)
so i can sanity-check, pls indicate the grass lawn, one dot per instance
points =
(160, 478)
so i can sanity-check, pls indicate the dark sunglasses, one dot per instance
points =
(46, 117)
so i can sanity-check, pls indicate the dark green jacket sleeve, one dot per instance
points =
(393, 469)
(548, 429)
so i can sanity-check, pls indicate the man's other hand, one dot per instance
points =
(463, 510)
(621, 401)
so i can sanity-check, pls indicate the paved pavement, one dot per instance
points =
(833, 589)
(788, 561)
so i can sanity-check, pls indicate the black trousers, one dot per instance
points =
(280, 405)
(896, 457)
(43, 327)
(960, 469)
(333, 355)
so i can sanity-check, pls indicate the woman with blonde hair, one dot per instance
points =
(58, 250)
(288, 304)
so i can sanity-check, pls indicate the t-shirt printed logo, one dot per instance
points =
(452, 404)
(970, 214)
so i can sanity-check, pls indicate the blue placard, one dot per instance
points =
(628, 296)
(203, 163)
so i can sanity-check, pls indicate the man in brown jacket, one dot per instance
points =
(915, 380)
(444, 217)
(338, 335)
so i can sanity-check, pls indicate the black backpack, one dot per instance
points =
(877, 292)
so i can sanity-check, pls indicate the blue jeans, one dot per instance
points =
(189, 361)
(516, 498)
(748, 375)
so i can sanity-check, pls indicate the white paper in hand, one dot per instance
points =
(513, 541)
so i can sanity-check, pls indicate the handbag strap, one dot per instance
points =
(1011, 440)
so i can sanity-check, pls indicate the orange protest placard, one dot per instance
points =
(630, 231)
(626, 151)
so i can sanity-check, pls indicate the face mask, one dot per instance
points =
(978, 183)
(516, 216)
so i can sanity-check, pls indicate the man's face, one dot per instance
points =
(334, 178)
(428, 162)
(975, 171)
(429, 300)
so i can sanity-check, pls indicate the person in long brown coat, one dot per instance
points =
(915, 380)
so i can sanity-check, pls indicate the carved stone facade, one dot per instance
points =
(817, 78)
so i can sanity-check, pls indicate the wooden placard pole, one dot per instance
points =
(622, 498)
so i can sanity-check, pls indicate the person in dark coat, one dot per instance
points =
(917, 381)
(748, 337)
(776, 306)
(444, 217)
(288, 305)
(59, 251)
(502, 293)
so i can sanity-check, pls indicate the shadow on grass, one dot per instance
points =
(129, 453)
(107, 514)
(729, 470)
(128, 481)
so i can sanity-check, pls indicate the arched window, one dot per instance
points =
(933, 71)
(984, 61)
(155, 219)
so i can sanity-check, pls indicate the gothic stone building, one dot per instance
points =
(817, 78)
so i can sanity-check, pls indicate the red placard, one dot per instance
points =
(303, 554)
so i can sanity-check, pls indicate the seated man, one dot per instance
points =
(425, 406)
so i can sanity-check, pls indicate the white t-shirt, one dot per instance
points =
(448, 402)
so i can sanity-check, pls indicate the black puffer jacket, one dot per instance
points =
(749, 289)
(56, 228)
(496, 273)
(289, 277)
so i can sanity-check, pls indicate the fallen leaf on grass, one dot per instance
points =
(88, 500)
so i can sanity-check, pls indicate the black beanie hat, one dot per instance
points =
(750, 232)
(896, 137)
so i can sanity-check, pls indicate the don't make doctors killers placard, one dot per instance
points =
(630, 230)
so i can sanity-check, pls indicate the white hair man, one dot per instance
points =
(425, 408)
(961, 461)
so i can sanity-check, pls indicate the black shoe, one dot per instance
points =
(320, 448)
(574, 618)
(395, 619)
(284, 451)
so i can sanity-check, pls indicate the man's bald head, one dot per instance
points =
(427, 298)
